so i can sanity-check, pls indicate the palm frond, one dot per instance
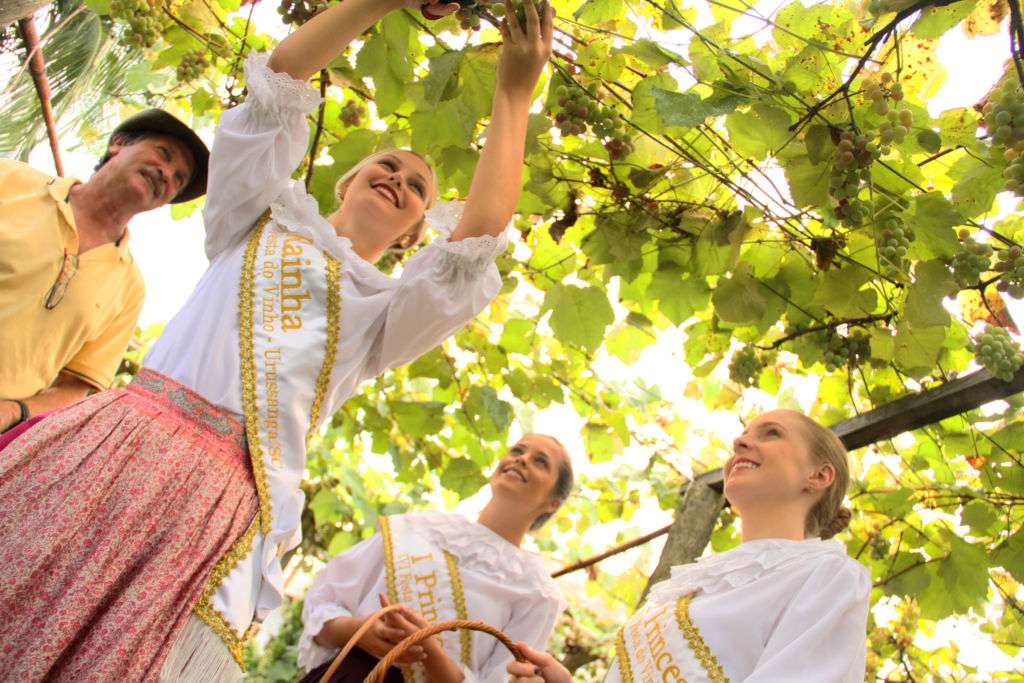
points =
(86, 69)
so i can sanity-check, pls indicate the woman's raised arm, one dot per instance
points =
(496, 183)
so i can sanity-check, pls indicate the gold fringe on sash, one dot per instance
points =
(389, 559)
(465, 635)
(700, 649)
(625, 670)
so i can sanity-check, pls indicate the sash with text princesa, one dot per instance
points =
(426, 578)
(661, 644)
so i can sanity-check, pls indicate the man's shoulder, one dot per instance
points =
(17, 176)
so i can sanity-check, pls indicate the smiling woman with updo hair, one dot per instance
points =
(442, 566)
(788, 605)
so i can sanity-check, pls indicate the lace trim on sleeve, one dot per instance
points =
(276, 93)
(470, 257)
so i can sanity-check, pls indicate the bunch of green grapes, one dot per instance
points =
(352, 114)
(579, 109)
(997, 352)
(468, 16)
(298, 12)
(1004, 114)
(1010, 263)
(142, 25)
(851, 169)
(895, 129)
(971, 261)
(1013, 174)
(1003, 118)
(192, 65)
(745, 366)
(575, 110)
(848, 351)
(471, 12)
(892, 239)
(881, 90)
(899, 118)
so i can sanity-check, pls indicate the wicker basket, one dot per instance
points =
(386, 662)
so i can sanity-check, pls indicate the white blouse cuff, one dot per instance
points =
(467, 258)
(311, 653)
(276, 94)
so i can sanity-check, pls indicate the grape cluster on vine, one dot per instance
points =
(852, 167)
(471, 13)
(971, 261)
(745, 366)
(192, 66)
(143, 26)
(899, 118)
(893, 237)
(1010, 264)
(352, 114)
(847, 351)
(578, 109)
(997, 352)
(1004, 119)
(300, 11)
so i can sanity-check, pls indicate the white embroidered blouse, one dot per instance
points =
(505, 586)
(776, 610)
(385, 321)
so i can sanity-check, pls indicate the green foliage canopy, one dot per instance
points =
(723, 220)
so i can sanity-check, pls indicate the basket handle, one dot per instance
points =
(386, 662)
(354, 640)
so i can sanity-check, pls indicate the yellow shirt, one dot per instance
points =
(87, 332)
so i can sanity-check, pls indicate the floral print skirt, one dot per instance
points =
(113, 512)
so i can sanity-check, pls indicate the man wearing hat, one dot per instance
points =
(70, 292)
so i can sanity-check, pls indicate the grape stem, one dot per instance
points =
(319, 126)
(861, 322)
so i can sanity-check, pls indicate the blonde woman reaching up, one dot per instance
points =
(159, 513)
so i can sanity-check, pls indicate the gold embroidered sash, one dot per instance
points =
(427, 579)
(661, 644)
(289, 310)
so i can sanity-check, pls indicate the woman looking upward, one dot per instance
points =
(788, 604)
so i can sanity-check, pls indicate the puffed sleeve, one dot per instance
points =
(442, 287)
(337, 591)
(532, 623)
(256, 148)
(821, 635)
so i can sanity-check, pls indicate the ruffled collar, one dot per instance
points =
(739, 566)
(297, 211)
(477, 546)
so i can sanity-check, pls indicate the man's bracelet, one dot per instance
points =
(24, 412)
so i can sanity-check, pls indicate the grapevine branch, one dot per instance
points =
(831, 325)
(319, 126)
(1017, 38)
(872, 43)
(622, 547)
(241, 52)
